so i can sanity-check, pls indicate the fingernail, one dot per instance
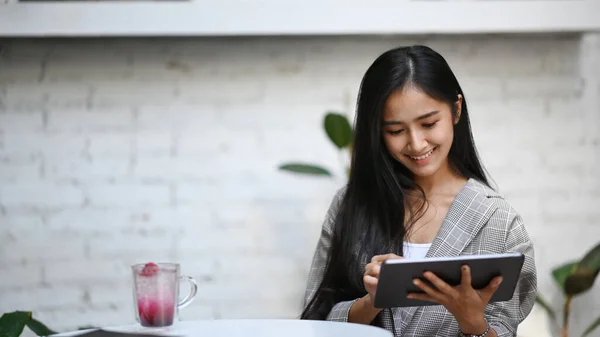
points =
(465, 268)
(415, 282)
(498, 281)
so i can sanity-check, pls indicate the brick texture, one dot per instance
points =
(116, 151)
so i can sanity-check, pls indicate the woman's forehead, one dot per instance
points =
(408, 104)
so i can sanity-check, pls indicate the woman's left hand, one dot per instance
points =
(466, 304)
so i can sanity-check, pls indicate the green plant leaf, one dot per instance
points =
(39, 328)
(591, 327)
(561, 273)
(583, 276)
(338, 129)
(13, 323)
(546, 307)
(305, 169)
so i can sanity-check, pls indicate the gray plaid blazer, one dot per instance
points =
(479, 221)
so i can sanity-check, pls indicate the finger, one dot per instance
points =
(370, 281)
(466, 276)
(373, 270)
(439, 297)
(381, 258)
(487, 292)
(368, 269)
(441, 286)
(423, 297)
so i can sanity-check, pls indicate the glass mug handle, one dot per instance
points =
(191, 295)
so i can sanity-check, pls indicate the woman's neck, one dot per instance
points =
(444, 181)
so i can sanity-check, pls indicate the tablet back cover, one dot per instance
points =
(396, 277)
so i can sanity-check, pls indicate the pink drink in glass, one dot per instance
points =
(156, 293)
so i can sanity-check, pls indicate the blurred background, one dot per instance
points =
(117, 150)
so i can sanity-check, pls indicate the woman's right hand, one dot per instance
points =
(363, 311)
(371, 276)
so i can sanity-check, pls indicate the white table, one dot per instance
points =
(255, 327)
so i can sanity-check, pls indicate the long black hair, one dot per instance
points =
(371, 217)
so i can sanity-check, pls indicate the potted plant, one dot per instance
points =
(13, 323)
(340, 133)
(574, 279)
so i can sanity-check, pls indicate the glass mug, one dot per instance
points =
(156, 293)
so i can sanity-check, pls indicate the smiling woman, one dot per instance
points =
(414, 142)
(416, 189)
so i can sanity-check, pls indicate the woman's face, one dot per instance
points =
(418, 130)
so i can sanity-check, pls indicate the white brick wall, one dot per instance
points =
(121, 151)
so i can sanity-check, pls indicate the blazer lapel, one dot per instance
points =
(469, 211)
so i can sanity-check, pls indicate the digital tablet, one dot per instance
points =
(396, 276)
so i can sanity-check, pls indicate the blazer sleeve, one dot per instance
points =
(504, 317)
(340, 310)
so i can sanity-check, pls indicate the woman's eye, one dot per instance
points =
(395, 132)
(430, 125)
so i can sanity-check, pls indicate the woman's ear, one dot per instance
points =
(458, 107)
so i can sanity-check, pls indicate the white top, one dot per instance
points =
(253, 327)
(415, 250)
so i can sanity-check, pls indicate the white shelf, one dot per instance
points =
(298, 17)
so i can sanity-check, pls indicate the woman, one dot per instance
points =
(416, 188)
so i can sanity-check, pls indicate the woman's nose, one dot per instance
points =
(417, 142)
